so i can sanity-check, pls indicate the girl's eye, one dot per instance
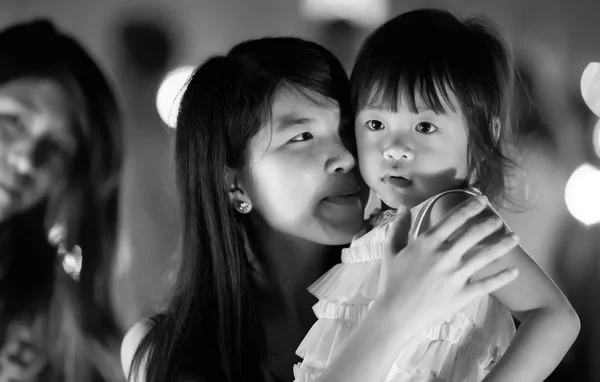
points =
(426, 127)
(374, 124)
(302, 137)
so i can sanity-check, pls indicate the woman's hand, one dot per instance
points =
(421, 284)
(429, 279)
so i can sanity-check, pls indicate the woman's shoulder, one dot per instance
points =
(131, 342)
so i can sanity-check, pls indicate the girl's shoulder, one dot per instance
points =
(416, 219)
(435, 209)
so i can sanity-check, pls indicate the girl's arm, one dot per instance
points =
(419, 286)
(549, 325)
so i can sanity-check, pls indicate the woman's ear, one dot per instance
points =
(238, 195)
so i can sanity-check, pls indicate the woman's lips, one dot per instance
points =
(348, 199)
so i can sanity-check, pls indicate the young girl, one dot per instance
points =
(269, 193)
(430, 94)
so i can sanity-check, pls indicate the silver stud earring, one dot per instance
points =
(243, 207)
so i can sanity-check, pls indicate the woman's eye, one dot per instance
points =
(426, 127)
(374, 124)
(302, 137)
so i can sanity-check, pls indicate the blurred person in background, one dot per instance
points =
(60, 162)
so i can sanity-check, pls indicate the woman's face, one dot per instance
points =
(300, 177)
(36, 142)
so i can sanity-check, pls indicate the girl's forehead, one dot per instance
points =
(418, 100)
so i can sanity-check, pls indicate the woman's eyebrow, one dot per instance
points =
(285, 121)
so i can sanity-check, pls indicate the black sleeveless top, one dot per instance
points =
(270, 377)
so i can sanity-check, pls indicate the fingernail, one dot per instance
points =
(515, 237)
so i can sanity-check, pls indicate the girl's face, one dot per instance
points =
(300, 178)
(36, 142)
(407, 157)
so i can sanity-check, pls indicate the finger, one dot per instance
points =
(490, 284)
(474, 234)
(488, 254)
(455, 219)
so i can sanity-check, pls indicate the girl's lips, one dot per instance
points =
(397, 181)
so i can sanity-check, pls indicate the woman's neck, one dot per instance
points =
(286, 267)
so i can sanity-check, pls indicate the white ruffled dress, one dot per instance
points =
(462, 348)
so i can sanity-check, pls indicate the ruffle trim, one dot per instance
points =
(305, 374)
(463, 348)
(349, 282)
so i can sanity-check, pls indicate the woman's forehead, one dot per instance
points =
(290, 100)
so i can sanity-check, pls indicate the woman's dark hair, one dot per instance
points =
(79, 325)
(212, 330)
(427, 54)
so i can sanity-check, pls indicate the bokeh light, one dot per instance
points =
(596, 138)
(170, 92)
(590, 86)
(367, 13)
(582, 194)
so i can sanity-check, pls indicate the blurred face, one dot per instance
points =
(407, 157)
(299, 177)
(36, 142)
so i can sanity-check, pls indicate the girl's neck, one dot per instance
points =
(408, 206)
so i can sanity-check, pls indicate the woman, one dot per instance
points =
(269, 193)
(60, 160)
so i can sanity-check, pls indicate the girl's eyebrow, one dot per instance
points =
(425, 110)
(380, 108)
(421, 109)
